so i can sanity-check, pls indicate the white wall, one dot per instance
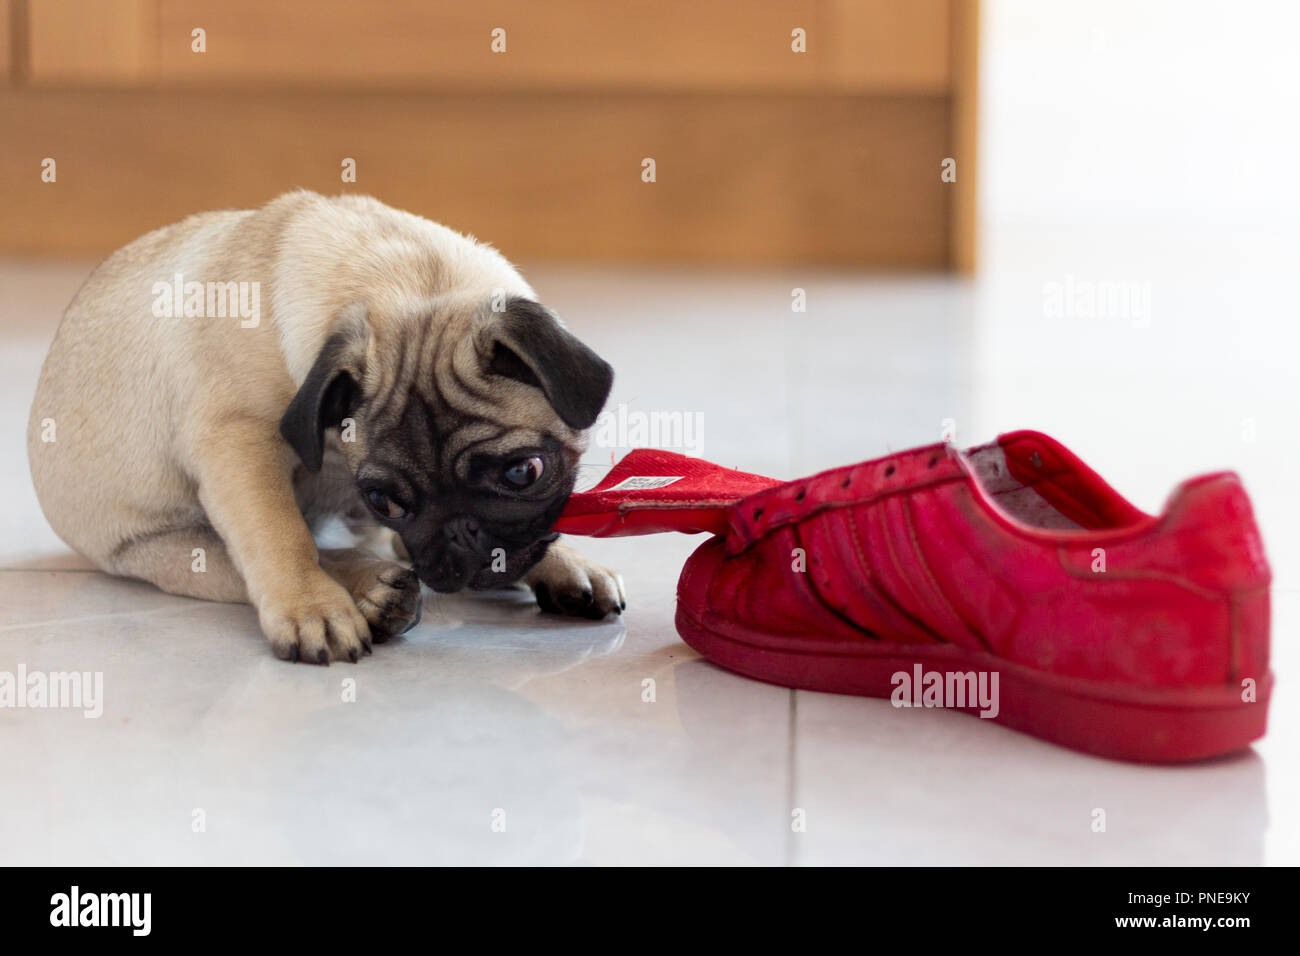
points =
(1145, 111)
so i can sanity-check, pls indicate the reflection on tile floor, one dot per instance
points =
(489, 712)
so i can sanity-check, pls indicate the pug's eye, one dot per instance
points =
(523, 473)
(385, 506)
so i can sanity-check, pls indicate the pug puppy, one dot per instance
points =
(221, 385)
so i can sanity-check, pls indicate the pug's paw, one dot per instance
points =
(315, 621)
(567, 583)
(386, 594)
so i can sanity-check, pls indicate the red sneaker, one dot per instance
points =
(1009, 580)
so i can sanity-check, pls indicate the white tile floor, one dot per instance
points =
(488, 705)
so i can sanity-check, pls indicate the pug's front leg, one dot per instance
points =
(244, 473)
(567, 583)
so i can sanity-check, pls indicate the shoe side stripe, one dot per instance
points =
(924, 565)
(874, 587)
(815, 592)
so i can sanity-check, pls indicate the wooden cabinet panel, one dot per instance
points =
(582, 44)
(965, 134)
(91, 42)
(764, 154)
(754, 179)
(636, 45)
(889, 45)
(6, 40)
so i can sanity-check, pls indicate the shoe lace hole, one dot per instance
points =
(799, 496)
(933, 461)
(758, 513)
(845, 482)
(889, 471)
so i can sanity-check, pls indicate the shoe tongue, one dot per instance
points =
(652, 490)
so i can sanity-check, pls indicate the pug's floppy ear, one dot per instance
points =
(527, 343)
(329, 393)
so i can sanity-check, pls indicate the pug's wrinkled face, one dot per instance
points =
(483, 529)
(467, 427)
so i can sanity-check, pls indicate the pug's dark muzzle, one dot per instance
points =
(464, 554)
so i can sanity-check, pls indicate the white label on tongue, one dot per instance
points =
(643, 482)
